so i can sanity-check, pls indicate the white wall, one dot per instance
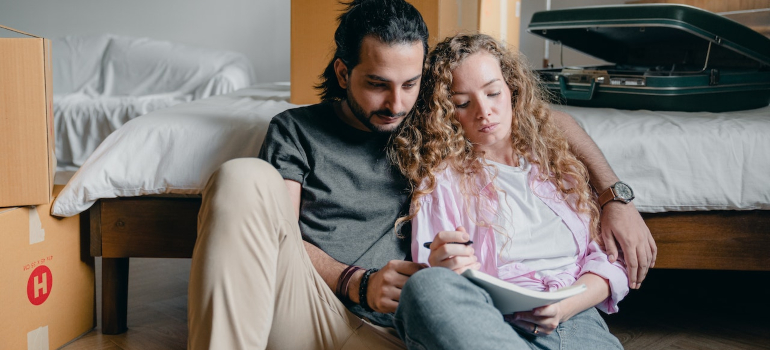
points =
(533, 46)
(257, 28)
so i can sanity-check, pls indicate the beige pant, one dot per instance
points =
(252, 284)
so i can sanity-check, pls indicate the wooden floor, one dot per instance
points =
(673, 310)
(157, 308)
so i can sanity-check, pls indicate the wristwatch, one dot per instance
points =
(620, 191)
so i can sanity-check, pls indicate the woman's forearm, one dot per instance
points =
(598, 290)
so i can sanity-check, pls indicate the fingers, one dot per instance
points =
(452, 256)
(653, 250)
(623, 225)
(445, 237)
(545, 311)
(527, 321)
(396, 272)
(644, 258)
(457, 257)
(529, 327)
(447, 251)
(384, 290)
(406, 268)
(632, 265)
(460, 263)
(609, 245)
(386, 301)
(644, 265)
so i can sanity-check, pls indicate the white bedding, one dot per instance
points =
(675, 161)
(174, 150)
(82, 122)
(679, 161)
(103, 81)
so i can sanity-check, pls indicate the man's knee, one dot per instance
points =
(248, 170)
(242, 172)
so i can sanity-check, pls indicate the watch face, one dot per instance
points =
(624, 191)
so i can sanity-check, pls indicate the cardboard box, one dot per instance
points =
(47, 279)
(27, 159)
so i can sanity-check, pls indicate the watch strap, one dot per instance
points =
(607, 196)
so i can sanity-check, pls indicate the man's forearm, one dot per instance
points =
(619, 222)
(329, 269)
(599, 170)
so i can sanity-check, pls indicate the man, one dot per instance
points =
(275, 264)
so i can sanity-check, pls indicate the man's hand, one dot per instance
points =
(620, 222)
(384, 288)
(623, 223)
(456, 257)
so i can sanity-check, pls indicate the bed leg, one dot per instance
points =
(114, 295)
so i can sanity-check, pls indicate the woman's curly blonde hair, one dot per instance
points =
(431, 137)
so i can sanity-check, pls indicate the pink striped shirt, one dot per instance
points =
(445, 209)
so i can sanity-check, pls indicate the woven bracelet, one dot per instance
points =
(362, 290)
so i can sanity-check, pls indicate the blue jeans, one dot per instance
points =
(440, 309)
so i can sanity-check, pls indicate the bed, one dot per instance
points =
(141, 188)
(102, 81)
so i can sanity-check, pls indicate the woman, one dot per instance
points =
(487, 164)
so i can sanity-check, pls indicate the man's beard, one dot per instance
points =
(365, 119)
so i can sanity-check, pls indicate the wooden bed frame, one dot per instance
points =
(162, 227)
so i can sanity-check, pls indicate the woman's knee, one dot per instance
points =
(425, 284)
(433, 277)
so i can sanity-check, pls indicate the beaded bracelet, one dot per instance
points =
(362, 290)
(344, 282)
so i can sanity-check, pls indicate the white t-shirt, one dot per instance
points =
(533, 234)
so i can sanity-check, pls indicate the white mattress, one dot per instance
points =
(678, 161)
(675, 161)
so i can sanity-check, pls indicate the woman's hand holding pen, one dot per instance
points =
(456, 257)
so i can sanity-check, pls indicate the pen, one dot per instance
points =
(427, 244)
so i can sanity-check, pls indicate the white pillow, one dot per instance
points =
(174, 150)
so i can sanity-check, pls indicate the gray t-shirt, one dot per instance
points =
(351, 194)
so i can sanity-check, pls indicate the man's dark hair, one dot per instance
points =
(390, 21)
